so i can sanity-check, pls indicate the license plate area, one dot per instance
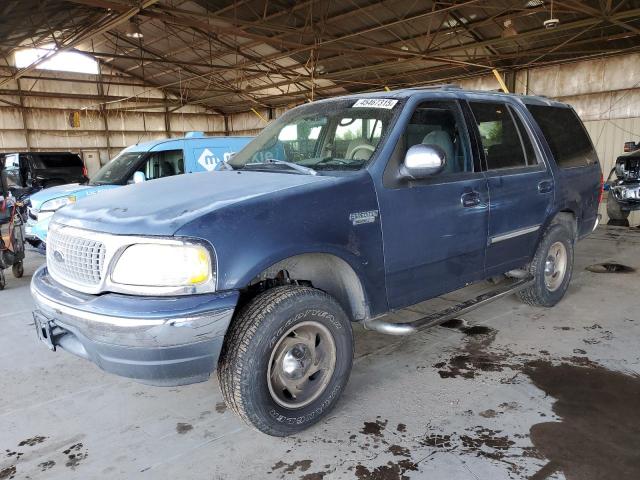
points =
(43, 330)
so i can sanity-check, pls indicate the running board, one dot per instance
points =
(442, 316)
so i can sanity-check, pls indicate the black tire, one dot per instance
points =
(3, 282)
(250, 343)
(539, 294)
(18, 270)
(614, 211)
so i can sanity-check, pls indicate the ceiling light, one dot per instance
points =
(404, 48)
(133, 30)
(552, 22)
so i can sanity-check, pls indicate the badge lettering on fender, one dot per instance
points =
(358, 218)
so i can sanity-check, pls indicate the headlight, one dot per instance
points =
(158, 265)
(56, 203)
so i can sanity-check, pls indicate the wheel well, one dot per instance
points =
(568, 218)
(323, 271)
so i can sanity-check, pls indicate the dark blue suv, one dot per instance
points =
(340, 211)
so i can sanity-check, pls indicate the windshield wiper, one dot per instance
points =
(293, 166)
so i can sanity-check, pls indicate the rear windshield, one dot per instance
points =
(566, 136)
(57, 160)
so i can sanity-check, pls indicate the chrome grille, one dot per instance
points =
(75, 259)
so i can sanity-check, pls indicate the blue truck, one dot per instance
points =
(140, 162)
(340, 211)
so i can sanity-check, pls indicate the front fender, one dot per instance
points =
(253, 235)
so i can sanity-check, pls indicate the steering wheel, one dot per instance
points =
(364, 146)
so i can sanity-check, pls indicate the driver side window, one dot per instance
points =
(440, 124)
(163, 164)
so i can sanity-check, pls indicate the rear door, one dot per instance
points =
(209, 154)
(578, 171)
(434, 229)
(521, 187)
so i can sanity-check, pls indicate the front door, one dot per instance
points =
(435, 229)
(520, 185)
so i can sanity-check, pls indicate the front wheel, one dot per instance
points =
(286, 359)
(551, 268)
(614, 210)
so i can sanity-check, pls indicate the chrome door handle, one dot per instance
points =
(545, 186)
(470, 199)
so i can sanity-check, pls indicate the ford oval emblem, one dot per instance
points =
(58, 256)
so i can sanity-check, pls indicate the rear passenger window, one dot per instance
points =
(567, 138)
(505, 141)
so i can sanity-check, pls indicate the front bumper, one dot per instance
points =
(155, 340)
(37, 226)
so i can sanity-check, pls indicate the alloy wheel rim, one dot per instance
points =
(555, 266)
(301, 365)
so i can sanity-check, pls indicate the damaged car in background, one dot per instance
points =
(624, 189)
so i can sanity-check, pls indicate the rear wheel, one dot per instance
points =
(286, 359)
(614, 210)
(551, 267)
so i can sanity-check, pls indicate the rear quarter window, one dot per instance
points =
(567, 138)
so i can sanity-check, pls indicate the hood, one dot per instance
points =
(160, 207)
(79, 191)
(38, 198)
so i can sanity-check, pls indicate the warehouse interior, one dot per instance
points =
(93, 77)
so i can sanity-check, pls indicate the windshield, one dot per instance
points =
(117, 169)
(334, 135)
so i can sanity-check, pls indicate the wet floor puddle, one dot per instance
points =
(610, 267)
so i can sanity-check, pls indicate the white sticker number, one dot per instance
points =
(375, 103)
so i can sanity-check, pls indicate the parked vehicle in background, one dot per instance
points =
(137, 163)
(33, 171)
(624, 187)
(340, 211)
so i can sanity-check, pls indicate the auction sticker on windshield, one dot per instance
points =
(375, 103)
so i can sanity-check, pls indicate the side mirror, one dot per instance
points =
(422, 161)
(139, 177)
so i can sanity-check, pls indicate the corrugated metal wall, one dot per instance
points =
(123, 113)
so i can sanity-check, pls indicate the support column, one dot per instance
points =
(23, 115)
(167, 116)
(104, 114)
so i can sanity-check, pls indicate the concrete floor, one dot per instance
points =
(535, 394)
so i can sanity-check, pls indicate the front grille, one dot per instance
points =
(73, 258)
